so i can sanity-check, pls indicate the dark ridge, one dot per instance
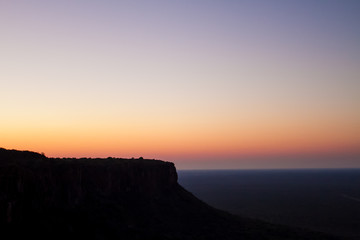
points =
(111, 198)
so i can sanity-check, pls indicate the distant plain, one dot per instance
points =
(326, 200)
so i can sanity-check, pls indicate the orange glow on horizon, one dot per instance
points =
(189, 142)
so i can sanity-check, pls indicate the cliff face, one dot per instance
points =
(32, 181)
(112, 199)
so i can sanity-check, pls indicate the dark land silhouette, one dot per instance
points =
(53, 198)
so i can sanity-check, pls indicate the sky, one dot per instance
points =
(205, 84)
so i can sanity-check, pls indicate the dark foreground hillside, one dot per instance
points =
(49, 198)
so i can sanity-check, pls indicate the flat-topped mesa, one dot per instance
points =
(51, 181)
(52, 198)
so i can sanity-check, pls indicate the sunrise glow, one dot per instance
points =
(204, 84)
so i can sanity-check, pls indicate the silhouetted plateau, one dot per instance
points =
(53, 198)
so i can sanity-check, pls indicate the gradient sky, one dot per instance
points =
(205, 84)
